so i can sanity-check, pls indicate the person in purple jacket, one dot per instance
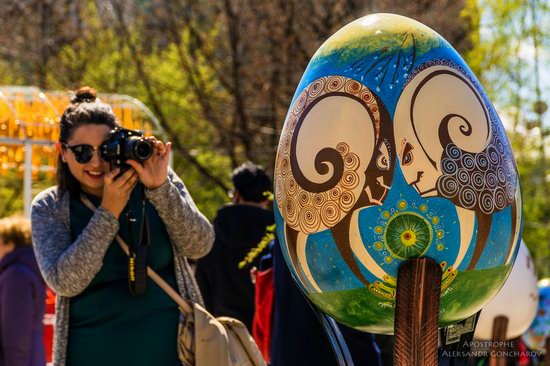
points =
(22, 297)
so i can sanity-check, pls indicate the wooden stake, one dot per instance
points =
(417, 312)
(547, 356)
(498, 346)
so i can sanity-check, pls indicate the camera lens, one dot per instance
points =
(143, 150)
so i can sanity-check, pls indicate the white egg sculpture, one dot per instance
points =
(517, 300)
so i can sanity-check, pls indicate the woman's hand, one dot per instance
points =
(116, 191)
(154, 171)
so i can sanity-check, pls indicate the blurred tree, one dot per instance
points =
(218, 74)
(510, 45)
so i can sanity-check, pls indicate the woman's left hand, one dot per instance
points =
(154, 171)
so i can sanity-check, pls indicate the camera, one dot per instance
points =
(123, 144)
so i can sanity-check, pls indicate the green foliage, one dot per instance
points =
(206, 195)
(503, 59)
(197, 69)
(11, 194)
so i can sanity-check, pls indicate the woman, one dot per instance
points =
(22, 297)
(98, 321)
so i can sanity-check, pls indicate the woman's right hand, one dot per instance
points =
(116, 191)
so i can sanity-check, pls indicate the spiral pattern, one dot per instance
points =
(285, 166)
(463, 177)
(500, 199)
(310, 220)
(279, 187)
(300, 103)
(366, 96)
(467, 197)
(500, 146)
(352, 87)
(307, 211)
(486, 201)
(484, 181)
(291, 186)
(478, 180)
(493, 155)
(491, 180)
(449, 166)
(510, 191)
(319, 200)
(501, 176)
(350, 180)
(342, 148)
(347, 200)
(335, 193)
(335, 83)
(351, 162)
(290, 212)
(453, 151)
(330, 214)
(447, 186)
(286, 145)
(303, 198)
(316, 89)
(468, 161)
(481, 161)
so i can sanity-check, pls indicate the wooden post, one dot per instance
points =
(498, 346)
(547, 356)
(417, 312)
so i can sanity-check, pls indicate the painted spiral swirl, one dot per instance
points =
(315, 191)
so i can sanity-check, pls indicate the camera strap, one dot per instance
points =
(137, 259)
(137, 255)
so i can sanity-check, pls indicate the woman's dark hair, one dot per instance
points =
(251, 181)
(84, 109)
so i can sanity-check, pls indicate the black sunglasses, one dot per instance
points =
(82, 153)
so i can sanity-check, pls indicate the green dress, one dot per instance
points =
(107, 325)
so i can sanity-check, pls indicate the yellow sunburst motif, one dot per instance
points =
(404, 233)
(407, 235)
(402, 204)
(408, 238)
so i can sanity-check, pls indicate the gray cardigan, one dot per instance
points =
(69, 267)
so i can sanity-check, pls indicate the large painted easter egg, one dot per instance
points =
(535, 337)
(390, 151)
(517, 300)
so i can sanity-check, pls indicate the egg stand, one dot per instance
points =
(417, 313)
(500, 324)
(335, 337)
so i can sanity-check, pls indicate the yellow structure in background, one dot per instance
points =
(29, 128)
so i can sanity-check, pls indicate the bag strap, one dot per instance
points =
(184, 305)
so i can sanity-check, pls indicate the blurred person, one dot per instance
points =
(239, 227)
(98, 320)
(297, 335)
(22, 296)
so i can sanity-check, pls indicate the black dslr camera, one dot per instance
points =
(123, 144)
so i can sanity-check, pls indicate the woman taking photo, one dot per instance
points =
(98, 319)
